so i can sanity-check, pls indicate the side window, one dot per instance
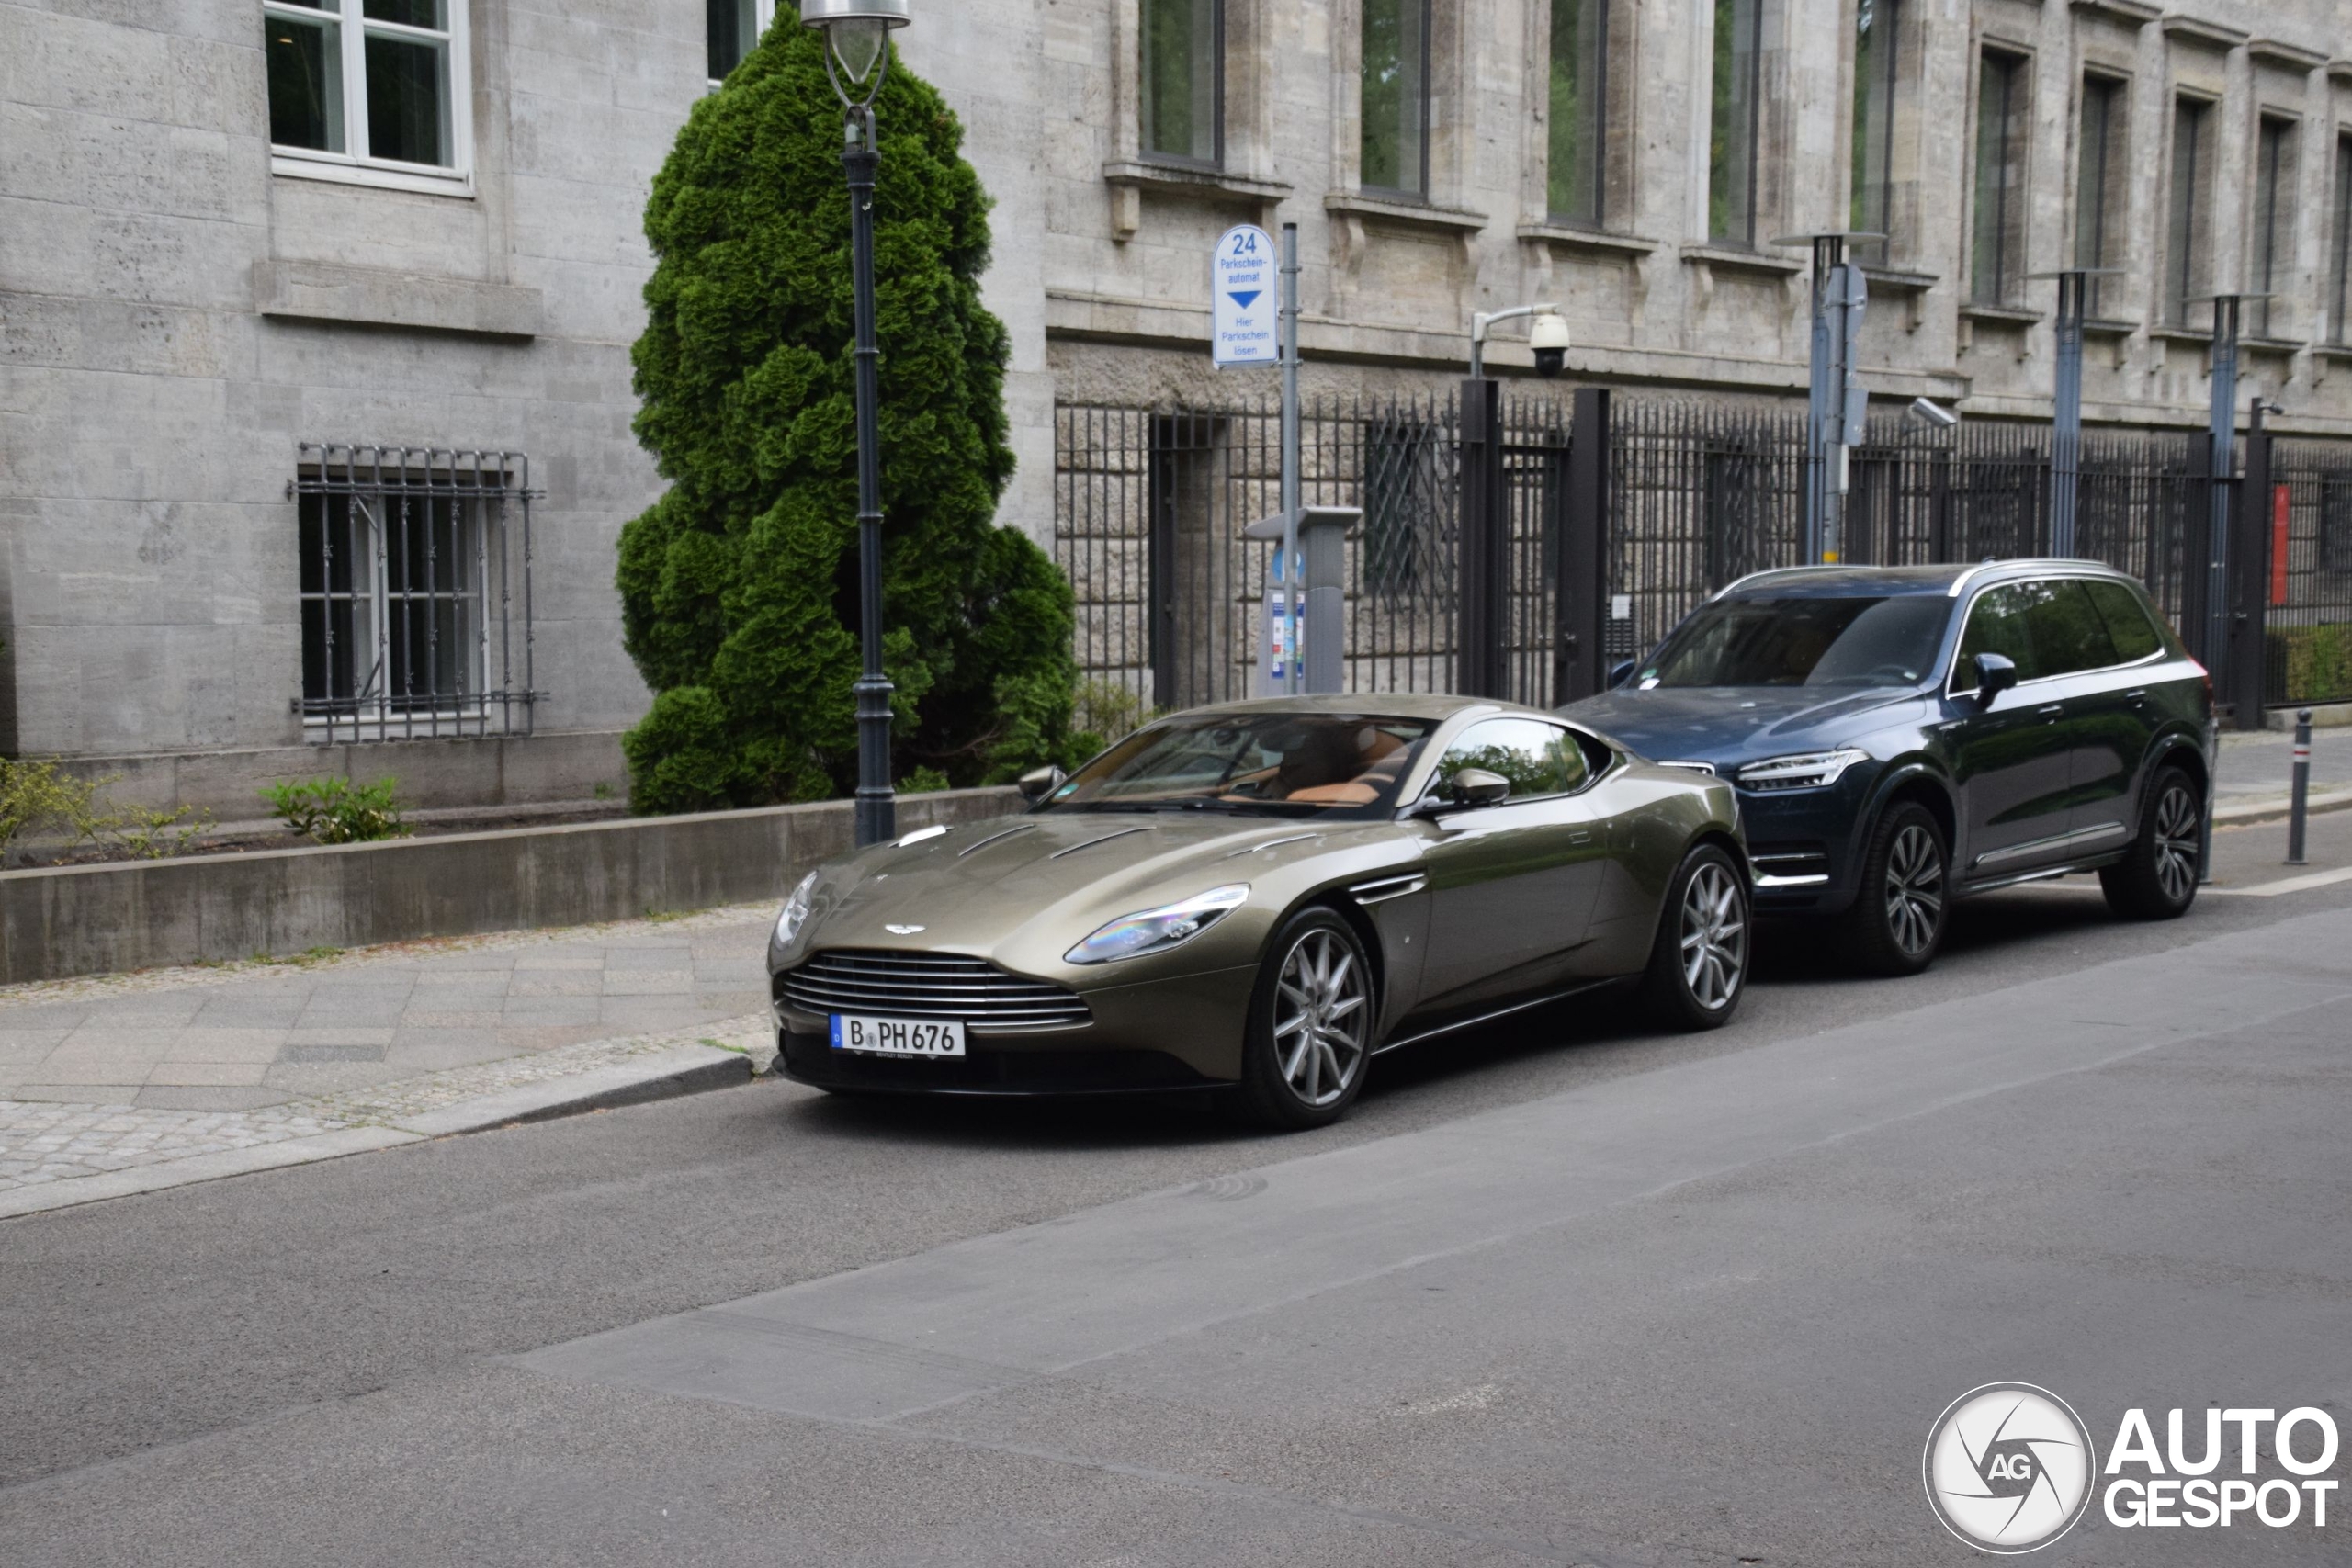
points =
(2067, 632)
(1995, 624)
(2134, 635)
(1537, 758)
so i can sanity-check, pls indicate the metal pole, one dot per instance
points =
(2066, 419)
(2225, 470)
(2302, 789)
(1291, 566)
(876, 810)
(1829, 251)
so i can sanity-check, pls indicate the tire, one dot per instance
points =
(1897, 925)
(1311, 1016)
(1698, 968)
(2157, 878)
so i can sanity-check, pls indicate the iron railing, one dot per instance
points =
(1149, 505)
(415, 592)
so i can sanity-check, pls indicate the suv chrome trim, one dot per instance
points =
(2079, 838)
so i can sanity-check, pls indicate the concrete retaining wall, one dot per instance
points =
(99, 919)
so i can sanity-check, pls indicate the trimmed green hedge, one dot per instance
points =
(2317, 661)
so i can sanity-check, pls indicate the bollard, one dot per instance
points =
(2302, 792)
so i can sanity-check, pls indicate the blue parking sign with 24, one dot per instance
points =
(1245, 300)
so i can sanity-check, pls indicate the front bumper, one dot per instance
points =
(1178, 1032)
(1804, 844)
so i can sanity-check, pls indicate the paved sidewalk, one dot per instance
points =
(2257, 768)
(126, 1083)
(261, 1035)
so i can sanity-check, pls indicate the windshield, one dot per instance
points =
(1267, 764)
(1888, 641)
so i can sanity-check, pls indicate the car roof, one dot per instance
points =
(1433, 706)
(1841, 581)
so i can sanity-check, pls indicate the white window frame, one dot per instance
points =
(351, 28)
(762, 16)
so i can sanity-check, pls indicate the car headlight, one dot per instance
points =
(1810, 770)
(795, 911)
(1156, 930)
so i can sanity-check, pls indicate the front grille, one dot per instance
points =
(930, 985)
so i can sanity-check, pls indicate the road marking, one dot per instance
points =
(2286, 884)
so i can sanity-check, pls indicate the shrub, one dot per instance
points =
(337, 811)
(35, 797)
(738, 586)
(2318, 662)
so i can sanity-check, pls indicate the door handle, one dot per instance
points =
(2053, 711)
(1580, 837)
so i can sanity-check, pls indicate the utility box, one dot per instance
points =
(1318, 578)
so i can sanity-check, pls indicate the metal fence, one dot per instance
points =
(1151, 504)
(415, 592)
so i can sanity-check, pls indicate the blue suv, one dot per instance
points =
(1900, 737)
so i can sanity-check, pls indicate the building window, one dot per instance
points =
(734, 29)
(1732, 125)
(1996, 252)
(368, 89)
(1396, 97)
(415, 593)
(2188, 230)
(1877, 37)
(2274, 227)
(2342, 293)
(1579, 110)
(2100, 181)
(1183, 80)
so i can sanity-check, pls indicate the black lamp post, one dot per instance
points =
(857, 32)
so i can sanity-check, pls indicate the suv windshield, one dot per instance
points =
(1884, 641)
(1269, 764)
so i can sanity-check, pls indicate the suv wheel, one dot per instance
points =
(2157, 878)
(1897, 922)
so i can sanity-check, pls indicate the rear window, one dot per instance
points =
(2127, 622)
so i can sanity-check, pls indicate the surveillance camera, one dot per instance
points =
(1549, 338)
(1935, 414)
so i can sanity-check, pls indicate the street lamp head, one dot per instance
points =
(1548, 336)
(856, 31)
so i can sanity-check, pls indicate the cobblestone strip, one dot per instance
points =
(41, 1141)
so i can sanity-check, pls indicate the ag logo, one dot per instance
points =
(2008, 1466)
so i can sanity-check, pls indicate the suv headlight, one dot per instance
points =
(1156, 930)
(795, 911)
(1809, 770)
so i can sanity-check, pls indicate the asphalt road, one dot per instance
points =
(1568, 1292)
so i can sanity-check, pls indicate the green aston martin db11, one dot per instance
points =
(1259, 897)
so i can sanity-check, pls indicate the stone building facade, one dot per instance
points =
(228, 228)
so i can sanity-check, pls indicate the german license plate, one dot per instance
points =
(897, 1036)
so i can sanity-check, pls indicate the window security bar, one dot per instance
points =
(415, 592)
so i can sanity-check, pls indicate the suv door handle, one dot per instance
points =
(2053, 711)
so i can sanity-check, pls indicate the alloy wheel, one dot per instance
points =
(1914, 889)
(2175, 844)
(1715, 936)
(1321, 1005)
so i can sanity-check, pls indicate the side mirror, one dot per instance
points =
(1621, 672)
(1039, 782)
(1995, 673)
(1477, 787)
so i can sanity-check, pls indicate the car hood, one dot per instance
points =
(1059, 876)
(1731, 725)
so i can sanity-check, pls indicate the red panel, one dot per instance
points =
(2278, 544)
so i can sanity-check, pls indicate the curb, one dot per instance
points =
(665, 1075)
(2278, 808)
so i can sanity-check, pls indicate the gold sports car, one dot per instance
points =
(1259, 897)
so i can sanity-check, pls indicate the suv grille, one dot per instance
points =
(930, 985)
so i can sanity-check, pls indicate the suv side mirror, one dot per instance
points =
(1995, 673)
(1477, 787)
(1621, 672)
(1039, 782)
